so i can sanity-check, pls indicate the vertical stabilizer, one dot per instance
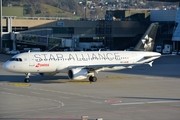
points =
(147, 41)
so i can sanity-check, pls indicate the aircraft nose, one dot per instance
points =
(7, 66)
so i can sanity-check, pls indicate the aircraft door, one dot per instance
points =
(31, 60)
(134, 58)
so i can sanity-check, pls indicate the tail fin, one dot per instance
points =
(146, 43)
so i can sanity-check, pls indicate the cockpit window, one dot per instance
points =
(16, 59)
(20, 59)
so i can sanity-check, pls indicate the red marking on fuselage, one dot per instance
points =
(42, 65)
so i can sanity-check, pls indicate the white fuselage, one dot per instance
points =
(42, 62)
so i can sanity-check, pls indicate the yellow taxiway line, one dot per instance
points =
(79, 81)
(19, 84)
(68, 81)
(116, 77)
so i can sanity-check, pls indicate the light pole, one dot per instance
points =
(85, 7)
(85, 13)
(80, 3)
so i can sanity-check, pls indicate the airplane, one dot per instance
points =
(80, 65)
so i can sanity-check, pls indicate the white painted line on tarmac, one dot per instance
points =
(135, 103)
(61, 104)
(162, 101)
(140, 103)
(12, 116)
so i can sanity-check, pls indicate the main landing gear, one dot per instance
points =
(26, 80)
(92, 79)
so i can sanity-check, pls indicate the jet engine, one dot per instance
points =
(48, 74)
(77, 74)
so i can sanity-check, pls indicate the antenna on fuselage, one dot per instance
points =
(29, 51)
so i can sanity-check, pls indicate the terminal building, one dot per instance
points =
(119, 30)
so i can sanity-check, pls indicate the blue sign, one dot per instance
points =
(60, 23)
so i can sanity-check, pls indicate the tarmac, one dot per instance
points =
(140, 93)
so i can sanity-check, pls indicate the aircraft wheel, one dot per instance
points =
(92, 78)
(26, 80)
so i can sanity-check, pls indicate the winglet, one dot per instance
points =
(150, 63)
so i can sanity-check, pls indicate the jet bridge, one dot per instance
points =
(176, 35)
(42, 37)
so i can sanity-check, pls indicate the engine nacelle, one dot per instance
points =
(48, 74)
(77, 74)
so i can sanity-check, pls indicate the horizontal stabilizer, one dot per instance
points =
(150, 63)
(147, 57)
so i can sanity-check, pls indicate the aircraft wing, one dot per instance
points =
(147, 60)
(147, 57)
(102, 66)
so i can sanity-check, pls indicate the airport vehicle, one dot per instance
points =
(83, 64)
(167, 49)
(159, 49)
(12, 52)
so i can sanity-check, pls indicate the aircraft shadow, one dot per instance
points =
(34, 79)
(166, 66)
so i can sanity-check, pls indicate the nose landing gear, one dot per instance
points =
(26, 80)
